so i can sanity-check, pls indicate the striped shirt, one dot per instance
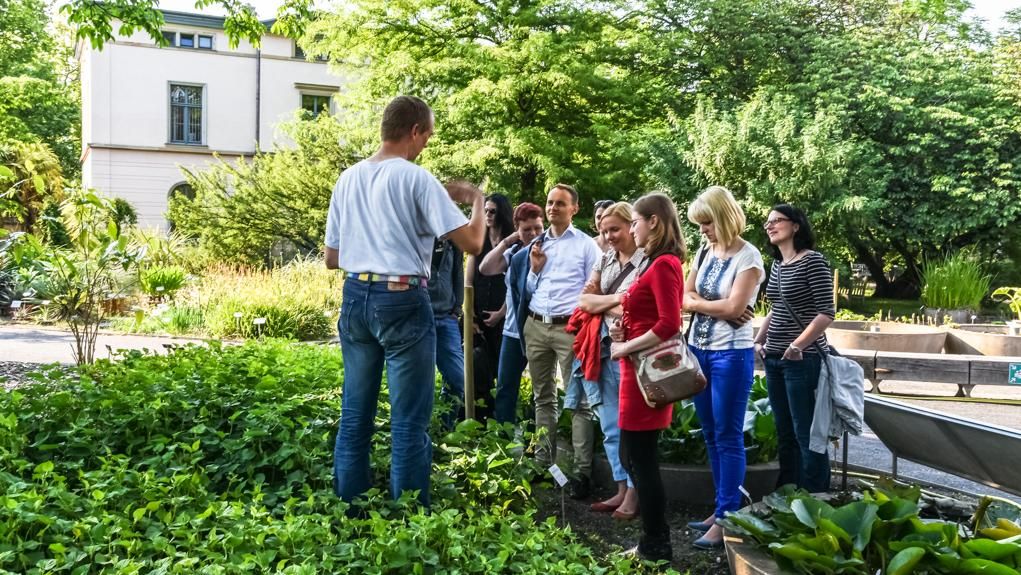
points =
(808, 288)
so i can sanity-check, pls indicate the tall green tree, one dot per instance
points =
(901, 145)
(241, 211)
(525, 93)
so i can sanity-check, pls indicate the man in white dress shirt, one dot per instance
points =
(561, 260)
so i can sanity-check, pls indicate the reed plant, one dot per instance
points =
(299, 300)
(956, 281)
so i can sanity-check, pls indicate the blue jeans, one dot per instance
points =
(605, 396)
(791, 386)
(450, 362)
(721, 408)
(508, 379)
(393, 328)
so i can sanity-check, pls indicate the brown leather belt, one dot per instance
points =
(549, 319)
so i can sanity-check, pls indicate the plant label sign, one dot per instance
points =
(558, 475)
(16, 304)
(1014, 374)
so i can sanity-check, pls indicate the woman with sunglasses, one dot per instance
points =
(800, 291)
(601, 206)
(490, 296)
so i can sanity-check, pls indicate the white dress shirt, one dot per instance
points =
(570, 258)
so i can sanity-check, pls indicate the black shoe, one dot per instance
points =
(658, 549)
(580, 488)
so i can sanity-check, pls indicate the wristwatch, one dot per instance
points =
(795, 348)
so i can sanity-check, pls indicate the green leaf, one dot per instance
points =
(985, 567)
(993, 550)
(857, 519)
(904, 561)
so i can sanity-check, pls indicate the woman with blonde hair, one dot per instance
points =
(651, 314)
(719, 293)
(611, 278)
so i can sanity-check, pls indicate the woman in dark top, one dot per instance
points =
(800, 282)
(490, 297)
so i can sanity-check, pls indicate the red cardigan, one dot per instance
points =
(653, 302)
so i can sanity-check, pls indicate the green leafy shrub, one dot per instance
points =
(1010, 296)
(161, 281)
(955, 282)
(882, 533)
(164, 319)
(218, 460)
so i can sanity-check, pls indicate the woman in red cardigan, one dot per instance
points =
(652, 314)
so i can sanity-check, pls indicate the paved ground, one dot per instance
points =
(31, 344)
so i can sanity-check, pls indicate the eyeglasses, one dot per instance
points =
(490, 211)
(770, 223)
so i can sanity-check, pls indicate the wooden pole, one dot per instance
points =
(836, 289)
(469, 352)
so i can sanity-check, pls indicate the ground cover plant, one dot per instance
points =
(218, 460)
(881, 532)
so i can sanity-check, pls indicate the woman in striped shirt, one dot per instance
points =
(790, 341)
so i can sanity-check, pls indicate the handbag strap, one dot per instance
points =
(620, 278)
(698, 265)
(790, 310)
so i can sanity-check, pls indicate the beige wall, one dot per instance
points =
(143, 178)
(126, 109)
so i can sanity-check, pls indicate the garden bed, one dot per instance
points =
(218, 459)
(891, 336)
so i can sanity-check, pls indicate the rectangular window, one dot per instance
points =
(300, 54)
(315, 104)
(185, 114)
(187, 41)
(170, 37)
(206, 42)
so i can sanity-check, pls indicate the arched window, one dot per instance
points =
(182, 189)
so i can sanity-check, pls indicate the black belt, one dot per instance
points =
(550, 319)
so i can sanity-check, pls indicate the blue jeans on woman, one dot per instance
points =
(721, 408)
(791, 386)
(508, 379)
(450, 363)
(604, 396)
(393, 328)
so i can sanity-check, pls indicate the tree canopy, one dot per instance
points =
(893, 122)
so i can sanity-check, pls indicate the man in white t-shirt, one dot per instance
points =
(385, 214)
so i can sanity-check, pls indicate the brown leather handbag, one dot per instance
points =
(668, 372)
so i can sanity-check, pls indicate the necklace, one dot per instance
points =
(792, 258)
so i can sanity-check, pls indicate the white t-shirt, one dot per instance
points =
(384, 217)
(714, 281)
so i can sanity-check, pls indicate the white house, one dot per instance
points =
(147, 111)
